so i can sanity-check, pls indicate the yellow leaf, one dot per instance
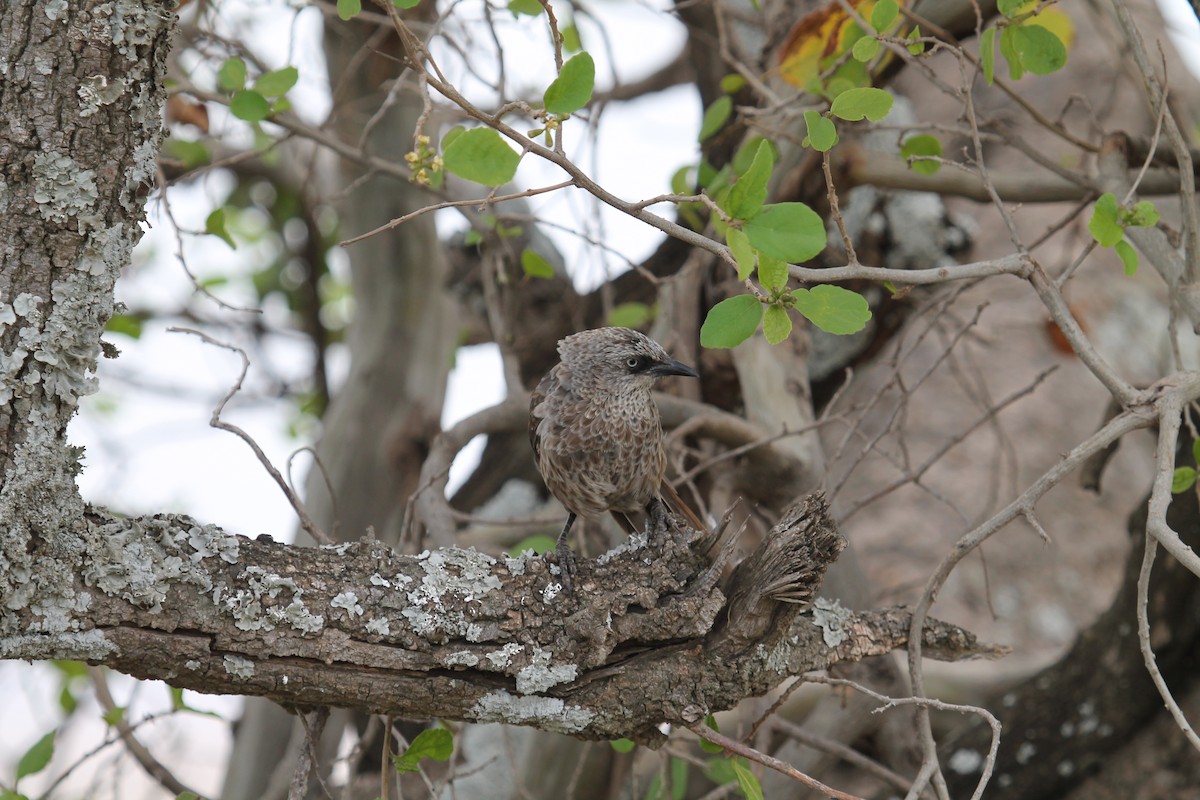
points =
(818, 39)
(1058, 23)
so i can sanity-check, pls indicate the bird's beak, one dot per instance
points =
(672, 368)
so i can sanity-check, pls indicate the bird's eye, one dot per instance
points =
(633, 362)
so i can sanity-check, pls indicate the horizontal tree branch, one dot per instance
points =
(648, 636)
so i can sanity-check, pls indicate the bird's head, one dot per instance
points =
(618, 359)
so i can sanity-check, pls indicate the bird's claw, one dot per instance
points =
(659, 518)
(566, 564)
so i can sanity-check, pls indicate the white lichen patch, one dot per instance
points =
(55, 9)
(209, 540)
(516, 564)
(635, 542)
(379, 580)
(537, 678)
(301, 618)
(348, 601)
(503, 657)
(830, 617)
(62, 188)
(550, 591)
(451, 575)
(98, 91)
(462, 658)
(85, 646)
(239, 667)
(547, 713)
(133, 564)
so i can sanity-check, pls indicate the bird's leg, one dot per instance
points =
(658, 517)
(562, 550)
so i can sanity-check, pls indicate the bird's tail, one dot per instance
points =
(678, 505)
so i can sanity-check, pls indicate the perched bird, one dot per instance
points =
(595, 429)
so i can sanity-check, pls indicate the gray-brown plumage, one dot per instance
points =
(595, 429)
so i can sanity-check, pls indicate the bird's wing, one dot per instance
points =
(545, 387)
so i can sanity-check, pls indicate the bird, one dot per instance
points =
(595, 430)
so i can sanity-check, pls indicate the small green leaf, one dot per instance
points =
(572, 89)
(747, 152)
(854, 104)
(884, 14)
(249, 106)
(865, 49)
(539, 543)
(630, 315)
(1009, 51)
(126, 324)
(1010, 8)
(435, 743)
(1143, 214)
(1196, 451)
(37, 757)
(405, 4)
(750, 192)
(472, 237)
(570, 39)
(277, 82)
(715, 116)
(187, 796)
(190, 154)
(622, 745)
(530, 8)
(777, 325)
(1129, 257)
(987, 54)
(67, 700)
(772, 272)
(711, 747)
(452, 134)
(747, 782)
(349, 9)
(679, 778)
(718, 770)
(833, 309)
(535, 266)
(480, 155)
(1104, 225)
(1183, 479)
(232, 74)
(731, 322)
(922, 145)
(215, 224)
(791, 231)
(822, 133)
(113, 715)
(916, 48)
(1040, 50)
(743, 253)
(732, 82)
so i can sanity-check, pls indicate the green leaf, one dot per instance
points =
(791, 231)
(1129, 257)
(405, 4)
(747, 782)
(712, 747)
(750, 192)
(865, 49)
(349, 9)
(822, 133)
(113, 715)
(772, 272)
(622, 745)
(572, 89)
(1009, 51)
(472, 237)
(732, 82)
(884, 14)
(539, 543)
(530, 8)
(916, 48)
(67, 700)
(777, 325)
(190, 154)
(854, 104)
(1040, 50)
(731, 322)
(1196, 451)
(480, 155)
(833, 309)
(1143, 214)
(126, 324)
(249, 105)
(187, 796)
(1104, 225)
(747, 152)
(1183, 479)
(9, 794)
(570, 39)
(37, 757)
(70, 669)
(922, 145)
(215, 224)
(1010, 8)
(435, 743)
(987, 54)
(743, 253)
(715, 116)
(535, 266)
(630, 315)
(232, 74)
(718, 770)
(277, 82)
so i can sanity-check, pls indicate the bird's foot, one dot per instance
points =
(658, 517)
(566, 564)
